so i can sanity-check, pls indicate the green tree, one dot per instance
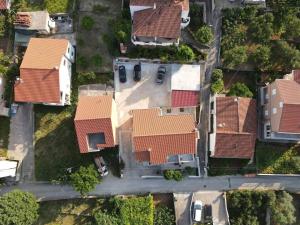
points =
(217, 74)
(217, 86)
(261, 28)
(4, 63)
(292, 27)
(235, 57)
(103, 218)
(85, 179)
(204, 35)
(283, 211)
(18, 208)
(87, 22)
(164, 216)
(185, 53)
(240, 90)
(85, 77)
(261, 57)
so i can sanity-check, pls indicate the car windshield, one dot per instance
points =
(159, 76)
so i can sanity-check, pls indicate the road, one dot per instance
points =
(211, 63)
(116, 186)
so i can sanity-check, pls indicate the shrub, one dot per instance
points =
(185, 53)
(85, 179)
(58, 6)
(87, 23)
(177, 175)
(204, 35)
(173, 175)
(164, 216)
(235, 57)
(168, 174)
(18, 207)
(240, 90)
(121, 29)
(103, 218)
(217, 74)
(97, 60)
(217, 86)
(84, 77)
(2, 25)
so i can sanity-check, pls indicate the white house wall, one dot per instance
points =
(135, 8)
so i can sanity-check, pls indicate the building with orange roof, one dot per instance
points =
(233, 129)
(158, 22)
(95, 123)
(5, 4)
(45, 72)
(280, 102)
(159, 139)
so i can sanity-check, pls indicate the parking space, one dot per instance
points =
(143, 94)
(182, 203)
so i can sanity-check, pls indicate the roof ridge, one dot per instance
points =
(151, 135)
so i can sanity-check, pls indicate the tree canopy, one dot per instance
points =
(204, 35)
(235, 57)
(240, 90)
(261, 28)
(164, 216)
(217, 84)
(85, 179)
(18, 208)
(185, 53)
(261, 57)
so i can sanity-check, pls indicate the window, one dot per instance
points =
(64, 62)
(72, 53)
(274, 91)
(266, 112)
(169, 110)
(181, 109)
(68, 50)
(274, 110)
(280, 104)
(267, 96)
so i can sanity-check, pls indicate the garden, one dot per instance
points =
(4, 135)
(52, 6)
(277, 158)
(255, 206)
(257, 40)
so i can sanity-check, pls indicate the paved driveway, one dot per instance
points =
(21, 142)
(182, 202)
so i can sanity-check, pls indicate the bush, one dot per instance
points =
(235, 57)
(164, 216)
(58, 6)
(103, 218)
(204, 35)
(87, 23)
(240, 90)
(18, 207)
(173, 175)
(85, 179)
(185, 53)
(217, 86)
(217, 74)
(84, 77)
(121, 29)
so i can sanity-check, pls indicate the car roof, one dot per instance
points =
(198, 202)
(197, 215)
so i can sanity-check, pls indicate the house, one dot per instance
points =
(5, 4)
(8, 168)
(95, 123)
(163, 138)
(45, 72)
(158, 22)
(185, 86)
(233, 128)
(280, 102)
(29, 24)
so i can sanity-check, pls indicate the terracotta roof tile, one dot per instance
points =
(290, 118)
(93, 115)
(289, 91)
(162, 136)
(161, 22)
(94, 107)
(236, 127)
(296, 76)
(3, 4)
(38, 86)
(184, 3)
(184, 98)
(44, 53)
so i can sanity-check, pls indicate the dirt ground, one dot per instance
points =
(91, 41)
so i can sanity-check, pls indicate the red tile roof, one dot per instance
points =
(184, 98)
(290, 118)
(92, 117)
(236, 127)
(3, 4)
(296, 75)
(184, 3)
(163, 22)
(39, 71)
(164, 136)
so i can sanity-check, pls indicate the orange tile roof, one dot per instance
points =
(183, 3)
(236, 127)
(289, 91)
(155, 136)
(94, 107)
(3, 4)
(163, 22)
(44, 53)
(93, 115)
(39, 71)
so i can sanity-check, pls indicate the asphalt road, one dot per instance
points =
(116, 186)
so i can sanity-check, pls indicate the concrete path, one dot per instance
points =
(182, 203)
(115, 186)
(21, 142)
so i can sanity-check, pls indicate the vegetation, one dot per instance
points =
(255, 205)
(4, 135)
(103, 218)
(235, 57)
(217, 84)
(58, 6)
(18, 207)
(164, 216)
(196, 14)
(100, 8)
(87, 23)
(121, 28)
(85, 179)
(84, 77)
(277, 158)
(220, 167)
(204, 35)
(185, 53)
(173, 175)
(261, 57)
(96, 60)
(82, 62)
(261, 28)
(240, 90)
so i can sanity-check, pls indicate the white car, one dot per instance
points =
(197, 211)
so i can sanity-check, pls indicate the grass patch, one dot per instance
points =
(58, 6)
(278, 158)
(4, 135)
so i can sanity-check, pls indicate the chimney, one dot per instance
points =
(154, 6)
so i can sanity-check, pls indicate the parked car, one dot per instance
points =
(102, 168)
(122, 74)
(13, 109)
(137, 72)
(197, 211)
(161, 73)
(207, 211)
